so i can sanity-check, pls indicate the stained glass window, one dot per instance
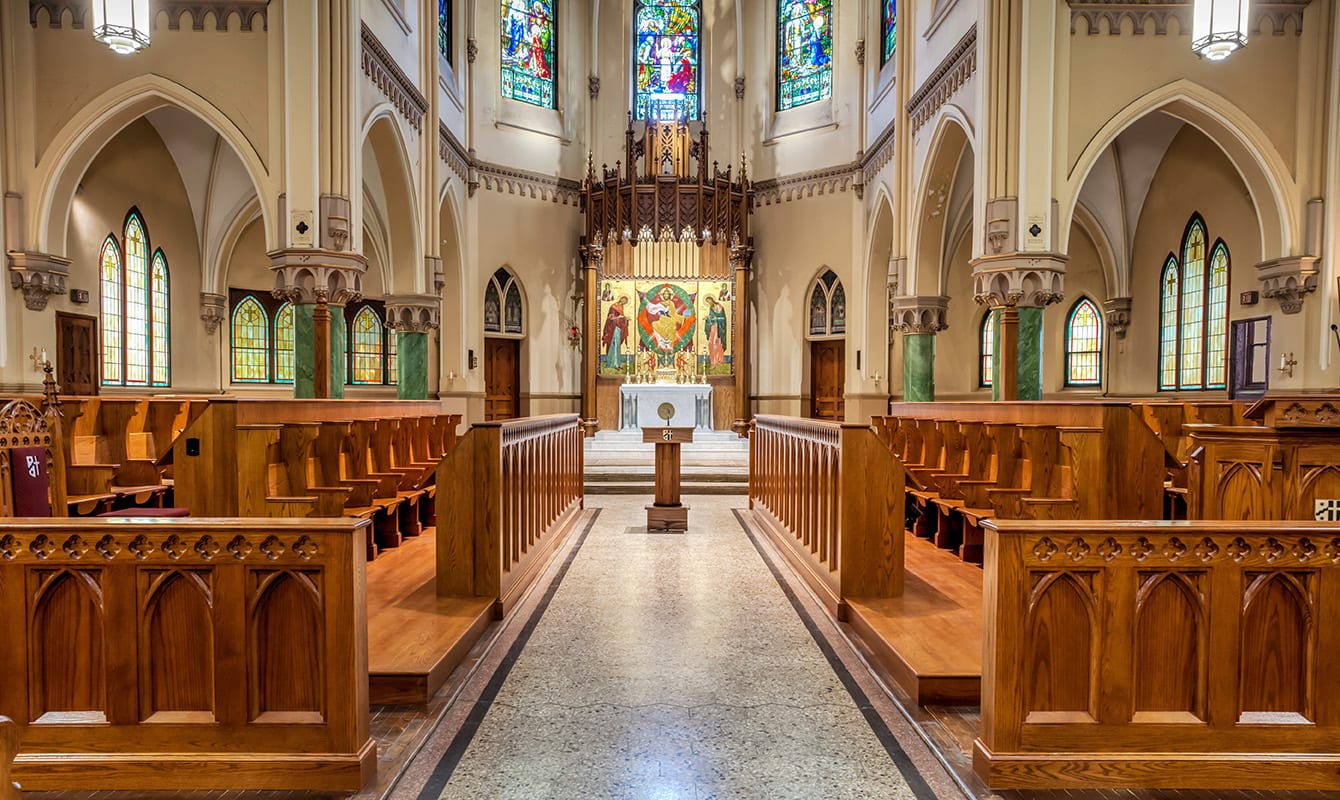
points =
(987, 358)
(889, 22)
(838, 310)
(365, 338)
(492, 309)
(444, 29)
(392, 340)
(666, 39)
(818, 311)
(251, 343)
(135, 308)
(1193, 314)
(1084, 345)
(828, 306)
(159, 313)
(113, 318)
(512, 310)
(284, 344)
(503, 311)
(804, 52)
(528, 51)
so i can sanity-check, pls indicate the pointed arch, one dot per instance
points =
(251, 342)
(112, 318)
(284, 347)
(366, 351)
(160, 314)
(667, 59)
(951, 148)
(828, 306)
(1084, 344)
(504, 304)
(986, 352)
(384, 141)
(1193, 312)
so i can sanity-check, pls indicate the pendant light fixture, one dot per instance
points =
(122, 25)
(1218, 28)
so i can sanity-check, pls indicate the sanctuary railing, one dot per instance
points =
(517, 485)
(831, 497)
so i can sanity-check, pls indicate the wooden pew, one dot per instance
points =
(98, 435)
(186, 654)
(1150, 654)
(9, 747)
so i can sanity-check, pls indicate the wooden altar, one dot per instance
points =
(666, 273)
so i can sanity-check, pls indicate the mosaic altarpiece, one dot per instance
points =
(667, 258)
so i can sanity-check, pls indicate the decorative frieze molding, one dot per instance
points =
(807, 184)
(381, 68)
(1289, 280)
(1108, 16)
(1117, 311)
(1019, 279)
(247, 12)
(413, 313)
(948, 77)
(307, 275)
(879, 154)
(213, 311)
(510, 180)
(38, 276)
(924, 314)
(593, 86)
(452, 153)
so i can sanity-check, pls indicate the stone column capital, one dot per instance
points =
(919, 314)
(312, 275)
(1289, 280)
(1019, 279)
(1117, 310)
(213, 310)
(413, 313)
(433, 266)
(38, 276)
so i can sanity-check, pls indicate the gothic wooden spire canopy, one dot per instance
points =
(676, 195)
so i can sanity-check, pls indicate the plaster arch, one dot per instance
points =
(215, 279)
(458, 309)
(1242, 140)
(1116, 277)
(384, 142)
(78, 143)
(927, 238)
(879, 252)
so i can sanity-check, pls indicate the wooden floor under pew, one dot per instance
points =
(930, 639)
(415, 638)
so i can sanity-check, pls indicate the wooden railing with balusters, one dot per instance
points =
(1139, 654)
(517, 486)
(9, 747)
(831, 497)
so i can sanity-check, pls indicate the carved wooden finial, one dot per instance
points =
(50, 403)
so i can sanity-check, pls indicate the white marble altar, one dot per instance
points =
(639, 401)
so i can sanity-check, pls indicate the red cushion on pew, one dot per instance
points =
(28, 474)
(148, 512)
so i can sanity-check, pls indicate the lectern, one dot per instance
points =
(667, 513)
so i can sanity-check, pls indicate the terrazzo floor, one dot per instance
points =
(668, 666)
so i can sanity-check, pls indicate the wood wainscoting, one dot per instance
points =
(186, 653)
(1160, 655)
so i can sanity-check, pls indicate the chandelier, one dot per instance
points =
(1218, 27)
(122, 25)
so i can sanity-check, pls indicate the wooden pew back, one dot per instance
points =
(24, 425)
(9, 747)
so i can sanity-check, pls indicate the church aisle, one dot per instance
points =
(665, 666)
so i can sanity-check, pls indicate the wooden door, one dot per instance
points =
(1249, 358)
(76, 354)
(502, 378)
(827, 367)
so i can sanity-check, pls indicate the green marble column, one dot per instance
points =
(411, 357)
(918, 367)
(995, 353)
(304, 355)
(1030, 353)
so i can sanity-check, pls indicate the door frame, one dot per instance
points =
(96, 350)
(518, 343)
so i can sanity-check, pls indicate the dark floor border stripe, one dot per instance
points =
(910, 773)
(437, 781)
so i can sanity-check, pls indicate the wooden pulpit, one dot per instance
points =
(667, 513)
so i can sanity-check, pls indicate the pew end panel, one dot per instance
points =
(9, 747)
(227, 654)
(1150, 654)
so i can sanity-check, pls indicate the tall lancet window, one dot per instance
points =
(135, 309)
(804, 52)
(666, 42)
(529, 51)
(889, 23)
(1193, 313)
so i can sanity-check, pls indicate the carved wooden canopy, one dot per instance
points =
(666, 190)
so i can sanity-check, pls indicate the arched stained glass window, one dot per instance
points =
(1084, 345)
(1193, 313)
(159, 313)
(391, 364)
(804, 52)
(666, 42)
(529, 51)
(251, 342)
(828, 306)
(444, 29)
(818, 311)
(889, 24)
(503, 309)
(113, 320)
(986, 360)
(366, 348)
(135, 308)
(284, 344)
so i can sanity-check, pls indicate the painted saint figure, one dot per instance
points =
(665, 326)
(615, 333)
(714, 327)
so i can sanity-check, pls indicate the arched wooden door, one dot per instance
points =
(827, 365)
(502, 378)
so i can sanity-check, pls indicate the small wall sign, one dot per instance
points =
(1249, 298)
(78, 295)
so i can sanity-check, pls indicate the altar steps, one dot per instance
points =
(619, 462)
